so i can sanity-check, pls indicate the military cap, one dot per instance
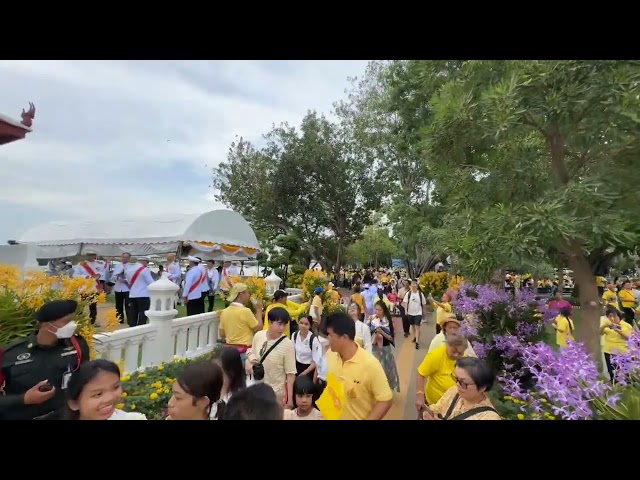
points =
(55, 310)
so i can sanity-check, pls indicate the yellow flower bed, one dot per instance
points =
(434, 283)
(455, 281)
(148, 392)
(23, 293)
(257, 286)
(310, 280)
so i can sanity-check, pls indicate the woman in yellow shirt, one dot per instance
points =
(627, 302)
(442, 309)
(437, 368)
(563, 325)
(358, 299)
(616, 332)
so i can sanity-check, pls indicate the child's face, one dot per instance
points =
(304, 402)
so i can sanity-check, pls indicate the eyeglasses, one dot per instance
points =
(461, 383)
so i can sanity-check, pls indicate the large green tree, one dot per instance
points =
(374, 248)
(384, 113)
(308, 182)
(533, 157)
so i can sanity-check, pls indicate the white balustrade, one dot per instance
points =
(164, 338)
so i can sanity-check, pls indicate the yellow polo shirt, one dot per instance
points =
(364, 380)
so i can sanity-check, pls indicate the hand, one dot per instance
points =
(419, 401)
(36, 397)
(427, 415)
(185, 300)
(259, 304)
(248, 366)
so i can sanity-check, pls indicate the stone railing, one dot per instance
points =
(164, 338)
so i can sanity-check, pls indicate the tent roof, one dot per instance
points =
(217, 226)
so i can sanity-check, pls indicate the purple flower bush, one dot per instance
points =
(509, 332)
(566, 382)
(627, 366)
(499, 323)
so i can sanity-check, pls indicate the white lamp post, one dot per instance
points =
(273, 283)
(161, 313)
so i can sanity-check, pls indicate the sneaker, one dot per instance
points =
(417, 345)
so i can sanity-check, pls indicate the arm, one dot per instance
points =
(425, 370)
(366, 338)
(290, 370)
(221, 332)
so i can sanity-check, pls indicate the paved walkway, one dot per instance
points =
(407, 359)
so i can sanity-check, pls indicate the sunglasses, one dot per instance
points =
(464, 385)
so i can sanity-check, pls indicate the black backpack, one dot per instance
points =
(295, 336)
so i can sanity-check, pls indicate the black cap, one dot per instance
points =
(280, 294)
(55, 310)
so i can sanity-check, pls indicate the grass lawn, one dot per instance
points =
(182, 311)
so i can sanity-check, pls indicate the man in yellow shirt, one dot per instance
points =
(281, 300)
(609, 297)
(616, 333)
(367, 392)
(334, 295)
(238, 324)
(437, 368)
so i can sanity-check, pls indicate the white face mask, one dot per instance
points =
(66, 331)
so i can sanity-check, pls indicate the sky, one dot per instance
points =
(139, 138)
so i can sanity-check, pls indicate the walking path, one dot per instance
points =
(407, 359)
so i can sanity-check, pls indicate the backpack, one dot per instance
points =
(295, 336)
(420, 295)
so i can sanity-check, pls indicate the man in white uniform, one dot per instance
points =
(91, 268)
(192, 291)
(174, 271)
(139, 278)
(121, 287)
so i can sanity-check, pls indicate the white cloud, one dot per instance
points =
(140, 137)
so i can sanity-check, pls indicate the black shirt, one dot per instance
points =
(26, 363)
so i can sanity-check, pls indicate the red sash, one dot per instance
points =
(200, 280)
(136, 274)
(93, 274)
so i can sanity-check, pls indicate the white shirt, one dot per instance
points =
(122, 415)
(322, 367)
(192, 277)
(363, 335)
(139, 288)
(304, 354)
(204, 285)
(119, 273)
(214, 278)
(412, 302)
(175, 273)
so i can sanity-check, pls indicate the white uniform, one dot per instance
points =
(139, 278)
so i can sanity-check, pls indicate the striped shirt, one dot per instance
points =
(280, 361)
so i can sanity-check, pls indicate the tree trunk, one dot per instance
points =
(587, 329)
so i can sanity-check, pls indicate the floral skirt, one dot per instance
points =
(388, 362)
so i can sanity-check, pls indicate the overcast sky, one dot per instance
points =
(140, 137)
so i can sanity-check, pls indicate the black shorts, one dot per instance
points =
(415, 319)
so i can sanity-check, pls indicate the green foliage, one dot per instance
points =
(375, 247)
(310, 182)
(627, 408)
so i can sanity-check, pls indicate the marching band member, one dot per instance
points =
(91, 268)
(122, 288)
(192, 293)
(139, 278)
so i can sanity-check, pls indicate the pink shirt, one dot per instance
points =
(558, 304)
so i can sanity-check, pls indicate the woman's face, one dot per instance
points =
(614, 318)
(353, 312)
(446, 298)
(304, 325)
(455, 353)
(183, 406)
(451, 327)
(277, 328)
(379, 312)
(99, 397)
(467, 389)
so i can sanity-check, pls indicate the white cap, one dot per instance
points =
(90, 251)
(194, 259)
(144, 258)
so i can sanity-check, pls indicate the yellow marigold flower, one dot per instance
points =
(126, 378)
(142, 375)
(120, 406)
(133, 406)
(166, 390)
(169, 380)
(159, 391)
(153, 396)
(124, 394)
(520, 416)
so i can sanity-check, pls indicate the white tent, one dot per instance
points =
(218, 233)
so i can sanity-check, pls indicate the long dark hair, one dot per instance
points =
(203, 379)
(231, 363)
(566, 313)
(80, 378)
(387, 315)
